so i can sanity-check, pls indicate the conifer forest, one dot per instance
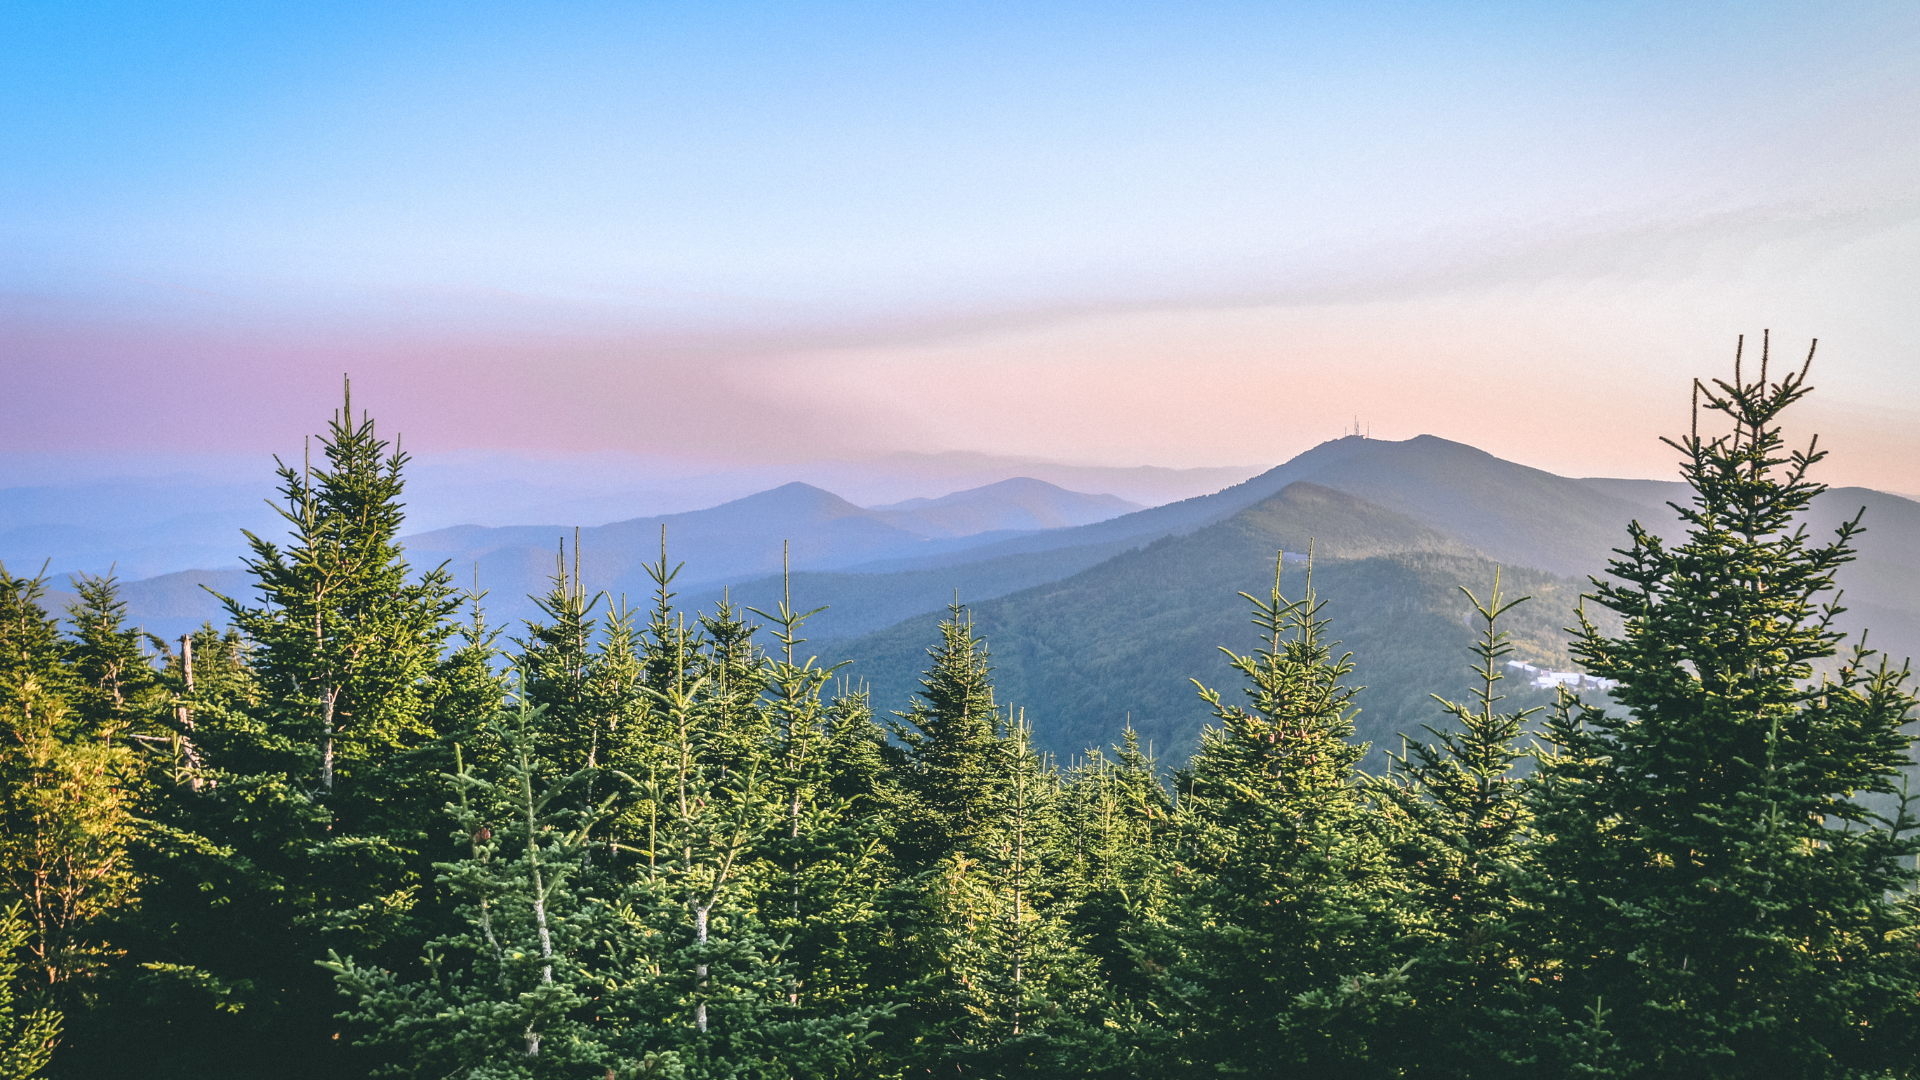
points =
(363, 830)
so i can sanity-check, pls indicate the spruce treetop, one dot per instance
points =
(345, 641)
(1709, 872)
(1292, 739)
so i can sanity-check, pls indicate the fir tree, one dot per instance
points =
(470, 687)
(317, 805)
(712, 983)
(823, 866)
(623, 738)
(666, 644)
(214, 704)
(948, 762)
(117, 683)
(698, 849)
(345, 643)
(69, 789)
(949, 740)
(508, 992)
(588, 674)
(27, 1040)
(207, 699)
(1711, 882)
(1460, 835)
(1292, 745)
(1115, 812)
(30, 645)
(1021, 977)
(851, 949)
(1116, 819)
(733, 672)
(1281, 868)
(556, 663)
(857, 748)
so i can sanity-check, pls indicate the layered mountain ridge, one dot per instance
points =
(1116, 644)
(1099, 618)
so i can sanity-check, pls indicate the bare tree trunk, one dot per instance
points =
(540, 920)
(185, 715)
(700, 935)
(539, 890)
(326, 751)
(1019, 874)
(1019, 866)
(331, 697)
(793, 985)
(578, 592)
(186, 669)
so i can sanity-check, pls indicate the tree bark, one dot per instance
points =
(539, 891)
(184, 713)
(326, 750)
(700, 935)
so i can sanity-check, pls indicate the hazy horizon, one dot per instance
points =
(160, 514)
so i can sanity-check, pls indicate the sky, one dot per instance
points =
(1116, 233)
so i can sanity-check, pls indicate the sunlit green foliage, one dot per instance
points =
(1282, 872)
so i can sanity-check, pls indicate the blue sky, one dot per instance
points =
(697, 207)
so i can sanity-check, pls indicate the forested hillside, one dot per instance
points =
(1093, 654)
(365, 829)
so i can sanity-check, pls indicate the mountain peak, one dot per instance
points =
(1338, 525)
(797, 497)
(1020, 503)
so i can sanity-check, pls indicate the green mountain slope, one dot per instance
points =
(1514, 514)
(859, 604)
(1517, 514)
(1118, 642)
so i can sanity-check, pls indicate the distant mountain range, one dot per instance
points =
(1101, 625)
(740, 540)
(749, 538)
(155, 514)
(141, 527)
(1098, 616)
(1020, 504)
